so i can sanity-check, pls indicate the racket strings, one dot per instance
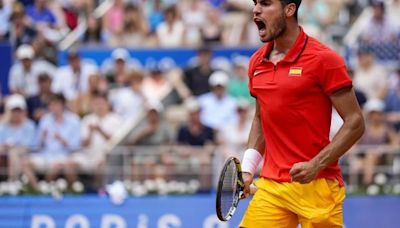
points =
(229, 196)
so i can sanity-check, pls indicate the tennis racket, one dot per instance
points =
(230, 189)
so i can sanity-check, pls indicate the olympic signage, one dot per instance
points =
(164, 212)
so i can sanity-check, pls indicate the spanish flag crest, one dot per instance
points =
(295, 71)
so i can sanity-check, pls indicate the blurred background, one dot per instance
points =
(114, 110)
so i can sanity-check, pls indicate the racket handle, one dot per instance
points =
(253, 189)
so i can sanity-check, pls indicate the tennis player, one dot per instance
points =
(296, 80)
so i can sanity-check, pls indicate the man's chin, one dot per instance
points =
(266, 39)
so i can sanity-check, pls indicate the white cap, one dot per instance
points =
(192, 105)
(218, 78)
(374, 105)
(120, 53)
(25, 51)
(15, 101)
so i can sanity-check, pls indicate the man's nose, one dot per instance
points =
(257, 9)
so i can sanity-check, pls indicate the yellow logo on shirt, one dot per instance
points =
(295, 71)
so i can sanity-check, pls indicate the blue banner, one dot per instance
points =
(165, 212)
(5, 65)
(181, 57)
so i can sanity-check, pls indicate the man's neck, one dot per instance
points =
(59, 118)
(287, 39)
(16, 123)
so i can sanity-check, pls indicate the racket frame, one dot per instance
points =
(238, 193)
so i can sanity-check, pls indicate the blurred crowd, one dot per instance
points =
(61, 120)
(146, 23)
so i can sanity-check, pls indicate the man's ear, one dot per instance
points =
(290, 9)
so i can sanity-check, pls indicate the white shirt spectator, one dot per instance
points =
(26, 81)
(371, 82)
(52, 151)
(235, 137)
(70, 83)
(93, 154)
(171, 37)
(108, 124)
(127, 103)
(68, 130)
(217, 113)
(194, 15)
(376, 32)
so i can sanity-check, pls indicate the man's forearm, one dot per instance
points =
(347, 136)
(256, 144)
(256, 138)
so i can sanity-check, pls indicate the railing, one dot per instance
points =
(157, 167)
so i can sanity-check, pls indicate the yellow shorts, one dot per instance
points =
(285, 205)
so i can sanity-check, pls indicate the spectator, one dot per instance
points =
(96, 83)
(314, 16)
(17, 134)
(93, 35)
(113, 20)
(194, 133)
(173, 28)
(314, 13)
(234, 136)
(156, 85)
(58, 137)
(20, 31)
(23, 74)
(211, 30)
(45, 50)
(155, 14)
(135, 29)
(72, 79)
(217, 107)
(194, 15)
(393, 12)
(155, 132)
(129, 102)
(147, 161)
(238, 86)
(69, 10)
(97, 129)
(361, 98)
(38, 104)
(377, 134)
(235, 21)
(197, 77)
(196, 145)
(369, 77)
(392, 100)
(379, 28)
(41, 15)
(117, 71)
(5, 13)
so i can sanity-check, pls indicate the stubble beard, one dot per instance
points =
(277, 30)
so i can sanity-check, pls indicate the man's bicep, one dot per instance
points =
(345, 102)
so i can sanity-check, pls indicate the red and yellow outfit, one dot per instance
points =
(296, 115)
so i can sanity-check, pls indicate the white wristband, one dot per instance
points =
(251, 159)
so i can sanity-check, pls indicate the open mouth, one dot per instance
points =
(262, 27)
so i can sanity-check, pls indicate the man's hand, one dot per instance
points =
(248, 180)
(304, 172)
